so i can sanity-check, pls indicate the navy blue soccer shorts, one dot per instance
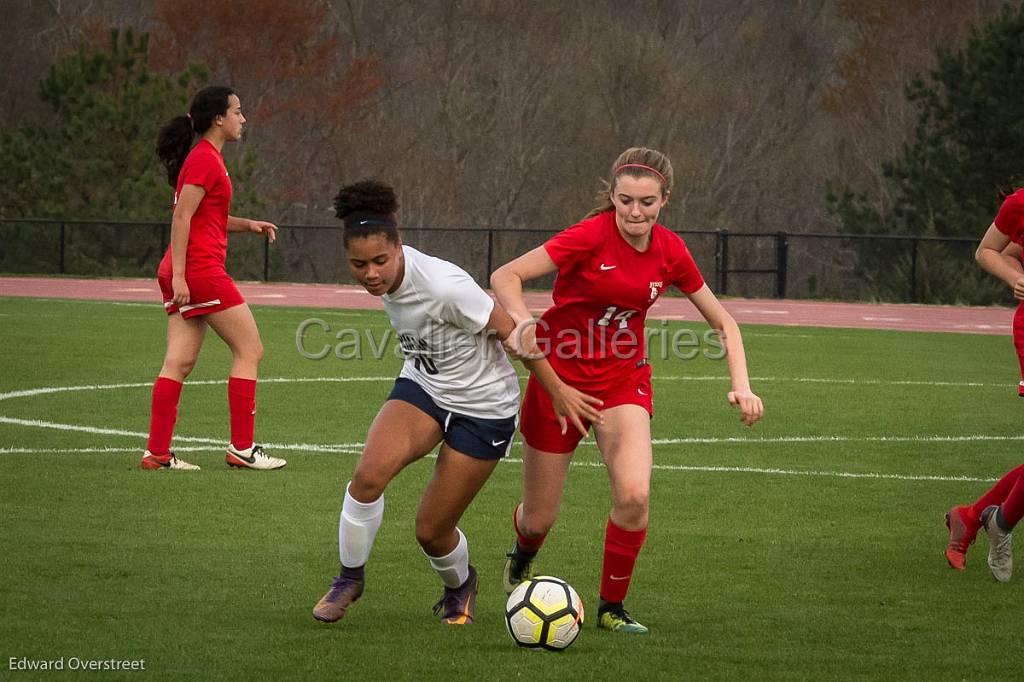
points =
(478, 438)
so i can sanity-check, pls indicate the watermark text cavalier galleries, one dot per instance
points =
(74, 663)
(316, 340)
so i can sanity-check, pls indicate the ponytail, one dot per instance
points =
(173, 144)
(175, 139)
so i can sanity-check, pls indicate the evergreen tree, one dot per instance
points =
(94, 157)
(966, 154)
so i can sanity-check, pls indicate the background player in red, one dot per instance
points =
(999, 509)
(197, 290)
(611, 267)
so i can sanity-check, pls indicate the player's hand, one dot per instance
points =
(263, 227)
(1018, 289)
(180, 290)
(751, 407)
(575, 406)
(521, 344)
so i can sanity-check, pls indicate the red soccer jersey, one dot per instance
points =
(1010, 219)
(594, 334)
(208, 233)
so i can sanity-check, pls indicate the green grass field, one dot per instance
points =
(808, 547)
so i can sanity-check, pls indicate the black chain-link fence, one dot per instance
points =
(781, 265)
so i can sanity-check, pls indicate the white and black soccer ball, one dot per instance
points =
(544, 612)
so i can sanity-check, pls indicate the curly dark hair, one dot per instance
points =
(367, 207)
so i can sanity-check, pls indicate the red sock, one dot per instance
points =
(163, 415)
(242, 405)
(1018, 336)
(621, 548)
(1013, 505)
(998, 493)
(527, 544)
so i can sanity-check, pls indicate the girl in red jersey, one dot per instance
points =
(611, 267)
(1002, 506)
(197, 290)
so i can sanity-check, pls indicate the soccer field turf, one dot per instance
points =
(807, 547)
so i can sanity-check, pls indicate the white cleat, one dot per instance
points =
(1000, 551)
(252, 458)
(151, 461)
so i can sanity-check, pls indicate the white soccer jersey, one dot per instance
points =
(438, 313)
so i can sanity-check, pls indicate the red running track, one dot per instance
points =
(898, 316)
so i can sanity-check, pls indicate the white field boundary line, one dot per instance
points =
(796, 472)
(136, 450)
(335, 447)
(590, 465)
(46, 390)
(92, 451)
(309, 447)
(356, 447)
(976, 438)
(854, 382)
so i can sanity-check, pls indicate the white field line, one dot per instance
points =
(333, 447)
(138, 451)
(88, 451)
(355, 447)
(45, 390)
(796, 472)
(826, 380)
(310, 447)
(577, 463)
(835, 439)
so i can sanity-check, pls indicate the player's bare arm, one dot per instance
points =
(181, 224)
(991, 258)
(507, 283)
(236, 224)
(751, 407)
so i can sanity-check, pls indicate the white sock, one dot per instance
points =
(357, 528)
(453, 568)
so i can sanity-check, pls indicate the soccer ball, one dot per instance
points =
(544, 612)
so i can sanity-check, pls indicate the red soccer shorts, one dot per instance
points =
(209, 294)
(538, 422)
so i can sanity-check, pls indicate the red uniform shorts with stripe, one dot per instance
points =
(539, 424)
(207, 295)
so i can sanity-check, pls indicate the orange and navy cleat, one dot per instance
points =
(344, 591)
(963, 529)
(168, 461)
(457, 605)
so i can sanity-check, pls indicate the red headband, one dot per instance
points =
(640, 165)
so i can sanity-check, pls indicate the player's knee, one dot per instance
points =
(430, 535)
(251, 354)
(366, 486)
(178, 366)
(632, 506)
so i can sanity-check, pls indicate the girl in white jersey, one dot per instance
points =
(456, 388)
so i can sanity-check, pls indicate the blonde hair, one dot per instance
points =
(638, 162)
